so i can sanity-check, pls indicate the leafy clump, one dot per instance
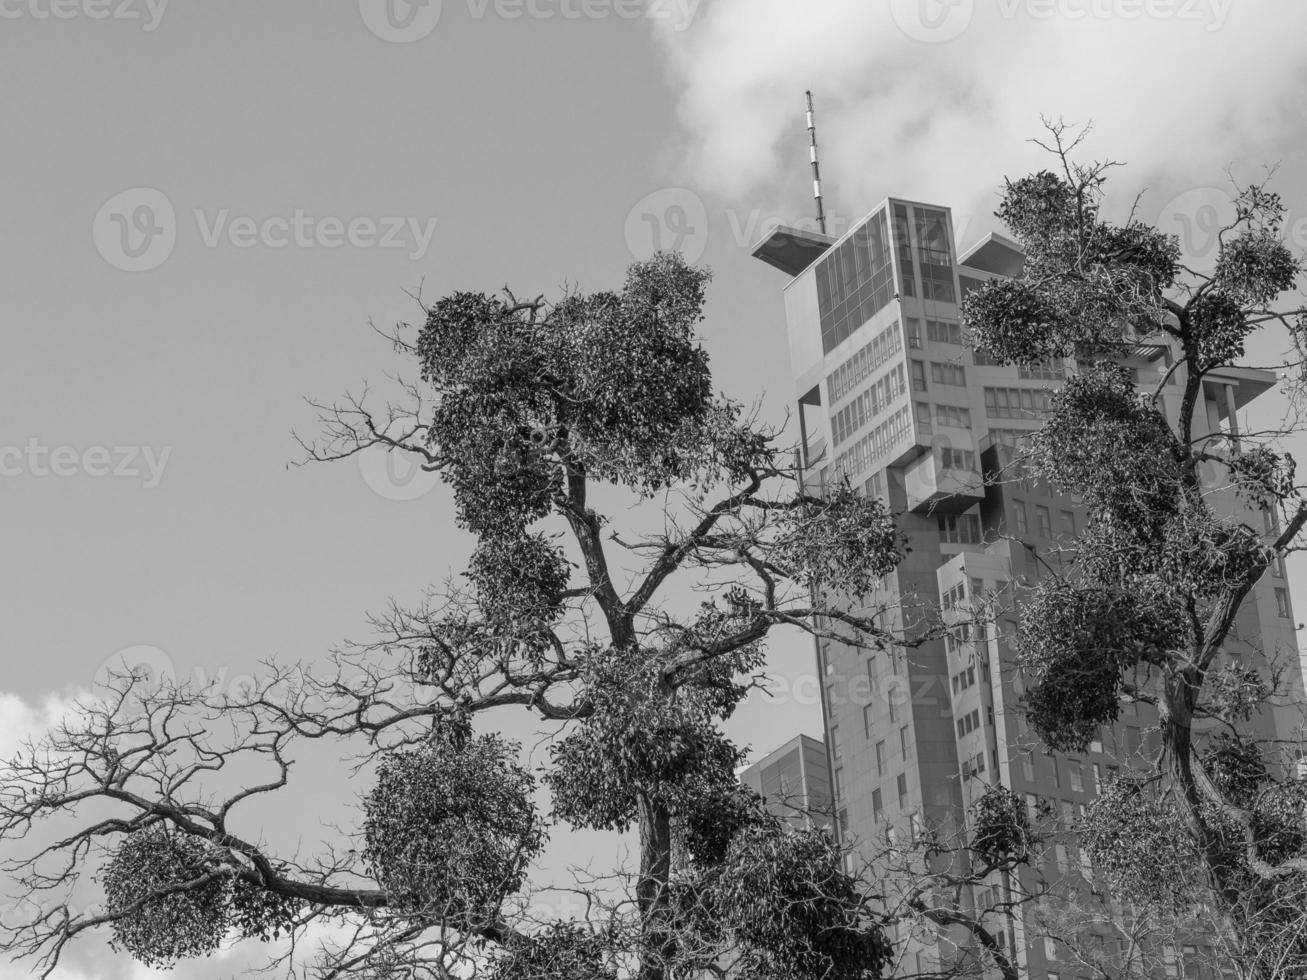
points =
(841, 544)
(641, 735)
(450, 827)
(1075, 643)
(793, 910)
(169, 892)
(1000, 827)
(563, 951)
(1134, 837)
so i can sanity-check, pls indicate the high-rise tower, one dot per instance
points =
(890, 398)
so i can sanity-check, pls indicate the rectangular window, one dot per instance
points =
(1019, 517)
(880, 758)
(1042, 522)
(877, 806)
(1075, 776)
(948, 374)
(903, 791)
(943, 332)
(1027, 767)
(903, 740)
(835, 742)
(868, 719)
(918, 375)
(1282, 602)
(854, 281)
(1068, 523)
(839, 783)
(959, 528)
(914, 332)
(956, 459)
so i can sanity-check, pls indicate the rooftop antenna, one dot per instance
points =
(816, 168)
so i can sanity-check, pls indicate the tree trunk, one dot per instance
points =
(651, 889)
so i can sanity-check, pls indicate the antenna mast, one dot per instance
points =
(816, 169)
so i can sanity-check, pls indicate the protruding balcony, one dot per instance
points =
(943, 481)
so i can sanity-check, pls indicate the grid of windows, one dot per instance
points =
(948, 374)
(949, 416)
(956, 459)
(854, 280)
(845, 378)
(964, 679)
(874, 444)
(933, 255)
(1049, 370)
(968, 723)
(907, 283)
(1017, 403)
(943, 332)
(954, 597)
(959, 528)
(874, 400)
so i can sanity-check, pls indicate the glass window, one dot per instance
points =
(854, 280)
(877, 807)
(835, 742)
(918, 376)
(903, 791)
(903, 740)
(1042, 522)
(880, 758)
(1282, 602)
(1019, 516)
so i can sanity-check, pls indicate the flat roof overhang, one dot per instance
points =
(996, 254)
(791, 249)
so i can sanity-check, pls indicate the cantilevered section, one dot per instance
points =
(997, 254)
(791, 249)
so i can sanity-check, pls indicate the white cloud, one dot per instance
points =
(1178, 89)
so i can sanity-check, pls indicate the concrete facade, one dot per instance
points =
(890, 397)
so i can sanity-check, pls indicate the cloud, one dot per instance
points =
(935, 99)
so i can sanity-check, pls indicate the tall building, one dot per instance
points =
(890, 397)
(794, 781)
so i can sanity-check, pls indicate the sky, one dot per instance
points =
(207, 204)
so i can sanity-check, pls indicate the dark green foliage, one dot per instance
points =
(519, 581)
(1137, 840)
(840, 544)
(450, 827)
(182, 891)
(1000, 826)
(1077, 640)
(1103, 442)
(563, 951)
(641, 735)
(613, 384)
(793, 911)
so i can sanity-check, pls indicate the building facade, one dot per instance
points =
(891, 398)
(795, 782)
